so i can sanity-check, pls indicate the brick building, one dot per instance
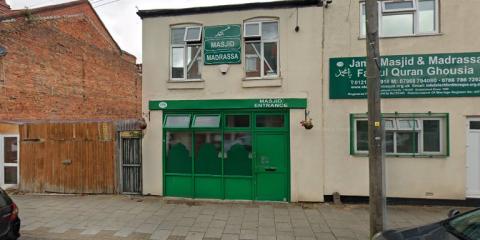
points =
(61, 65)
(61, 59)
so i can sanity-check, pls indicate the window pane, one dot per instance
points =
(207, 153)
(362, 135)
(407, 142)
(179, 148)
(180, 121)
(475, 125)
(391, 6)
(270, 31)
(397, 25)
(362, 20)
(407, 124)
(194, 61)
(270, 63)
(238, 154)
(431, 135)
(178, 35)
(10, 150)
(252, 29)
(193, 34)
(178, 56)
(270, 121)
(389, 143)
(389, 124)
(207, 121)
(252, 59)
(426, 16)
(10, 175)
(238, 121)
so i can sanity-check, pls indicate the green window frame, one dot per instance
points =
(197, 116)
(167, 116)
(410, 135)
(227, 127)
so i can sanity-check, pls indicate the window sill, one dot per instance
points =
(406, 36)
(186, 84)
(404, 155)
(261, 82)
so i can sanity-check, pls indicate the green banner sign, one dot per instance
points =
(264, 103)
(407, 76)
(222, 44)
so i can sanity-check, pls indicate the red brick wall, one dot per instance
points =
(4, 7)
(102, 38)
(51, 74)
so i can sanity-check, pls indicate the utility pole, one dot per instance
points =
(376, 132)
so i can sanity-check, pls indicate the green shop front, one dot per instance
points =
(227, 149)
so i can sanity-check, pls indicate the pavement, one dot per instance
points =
(51, 217)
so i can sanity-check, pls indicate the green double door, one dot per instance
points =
(271, 166)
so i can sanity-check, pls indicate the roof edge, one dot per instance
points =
(227, 8)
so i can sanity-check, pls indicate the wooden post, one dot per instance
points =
(376, 132)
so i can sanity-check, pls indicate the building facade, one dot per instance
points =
(267, 101)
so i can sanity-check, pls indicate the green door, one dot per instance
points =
(271, 166)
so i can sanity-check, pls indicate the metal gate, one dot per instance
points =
(131, 171)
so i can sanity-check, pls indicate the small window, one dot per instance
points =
(238, 121)
(404, 18)
(206, 121)
(475, 125)
(396, 6)
(261, 49)
(270, 121)
(407, 124)
(193, 34)
(252, 29)
(177, 121)
(390, 124)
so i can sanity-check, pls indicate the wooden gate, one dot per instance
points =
(131, 160)
(67, 157)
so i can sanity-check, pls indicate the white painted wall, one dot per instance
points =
(152, 155)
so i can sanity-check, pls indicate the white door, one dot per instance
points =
(473, 158)
(9, 156)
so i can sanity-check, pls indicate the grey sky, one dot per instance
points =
(120, 15)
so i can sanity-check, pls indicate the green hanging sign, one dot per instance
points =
(222, 44)
(409, 76)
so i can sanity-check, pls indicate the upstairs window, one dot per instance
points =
(261, 48)
(404, 17)
(186, 53)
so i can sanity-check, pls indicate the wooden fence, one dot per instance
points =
(68, 157)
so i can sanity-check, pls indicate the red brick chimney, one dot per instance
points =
(4, 7)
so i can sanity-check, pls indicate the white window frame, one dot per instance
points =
(420, 140)
(185, 48)
(262, 52)
(383, 12)
(258, 23)
(199, 37)
(414, 8)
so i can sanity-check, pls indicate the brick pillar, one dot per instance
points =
(4, 7)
